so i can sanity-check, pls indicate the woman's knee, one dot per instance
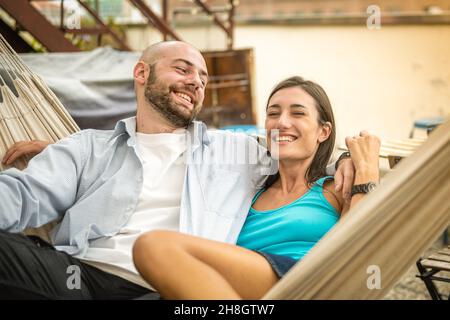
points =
(152, 245)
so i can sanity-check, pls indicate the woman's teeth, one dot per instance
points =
(285, 139)
(184, 96)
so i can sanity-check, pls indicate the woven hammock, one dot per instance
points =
(29, 110)
(381, 236)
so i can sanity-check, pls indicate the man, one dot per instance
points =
(159, 170)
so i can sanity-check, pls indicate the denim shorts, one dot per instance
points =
(280, 264)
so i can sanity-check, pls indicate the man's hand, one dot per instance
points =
(24, 148)
(344, 178)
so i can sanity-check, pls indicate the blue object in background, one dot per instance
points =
(429, 123)
(246, 128)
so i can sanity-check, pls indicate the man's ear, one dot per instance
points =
(140, 72)
(325, 131)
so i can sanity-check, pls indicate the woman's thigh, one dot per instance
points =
(248, 272)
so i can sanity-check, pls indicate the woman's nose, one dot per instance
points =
(284, 121)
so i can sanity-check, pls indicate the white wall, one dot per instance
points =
(379, 80)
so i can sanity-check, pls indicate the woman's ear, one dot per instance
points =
(325, 131)
(140, 72)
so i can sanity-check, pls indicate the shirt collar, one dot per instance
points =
(197, 130)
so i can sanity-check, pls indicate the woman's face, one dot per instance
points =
(293, 113)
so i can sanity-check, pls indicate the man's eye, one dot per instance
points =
(181, 69)
(272, 114)
(298, 113)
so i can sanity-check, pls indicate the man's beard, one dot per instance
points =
(160, 100)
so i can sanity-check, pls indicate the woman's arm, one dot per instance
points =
(364, 150)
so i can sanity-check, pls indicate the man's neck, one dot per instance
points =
(150, 121)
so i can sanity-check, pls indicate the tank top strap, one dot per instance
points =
(320, 182)
(257, 195)
(318, 185)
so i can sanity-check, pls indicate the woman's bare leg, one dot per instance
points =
(181, 266)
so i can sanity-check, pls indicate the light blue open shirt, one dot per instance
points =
(92, 181)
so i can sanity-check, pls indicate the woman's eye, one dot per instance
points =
(298, 113)
(272, 114)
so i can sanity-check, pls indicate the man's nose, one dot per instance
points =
(195, 80)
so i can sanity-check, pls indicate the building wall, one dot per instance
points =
(379, 80)
(271, 8)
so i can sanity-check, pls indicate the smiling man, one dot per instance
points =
(172, 83)
(158, 170)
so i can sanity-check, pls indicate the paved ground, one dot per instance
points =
(412, 288)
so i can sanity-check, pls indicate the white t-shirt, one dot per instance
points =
(158, 206)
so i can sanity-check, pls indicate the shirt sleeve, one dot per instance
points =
(264, 164)
(44, 190)
(330, 170)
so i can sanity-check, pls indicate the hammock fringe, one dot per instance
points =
(29, 110)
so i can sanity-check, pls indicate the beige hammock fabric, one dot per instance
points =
(389, 229)
(29, 110)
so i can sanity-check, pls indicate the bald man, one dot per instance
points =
(158, 170)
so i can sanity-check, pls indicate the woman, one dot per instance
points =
(291, 214)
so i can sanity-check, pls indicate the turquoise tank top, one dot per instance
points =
(293, 229)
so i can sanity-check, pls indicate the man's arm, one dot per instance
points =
(44, 190)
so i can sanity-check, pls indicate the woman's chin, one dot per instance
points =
(282, 156)
(289, 157)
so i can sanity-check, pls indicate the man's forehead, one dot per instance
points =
(168, 49)
(189, 55)
(180, 49)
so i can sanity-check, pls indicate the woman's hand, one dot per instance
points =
(24, 148)
(365, 151)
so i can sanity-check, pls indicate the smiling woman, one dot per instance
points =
(295, 209)
(300, 114)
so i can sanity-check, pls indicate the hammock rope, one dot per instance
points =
(29, 110)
